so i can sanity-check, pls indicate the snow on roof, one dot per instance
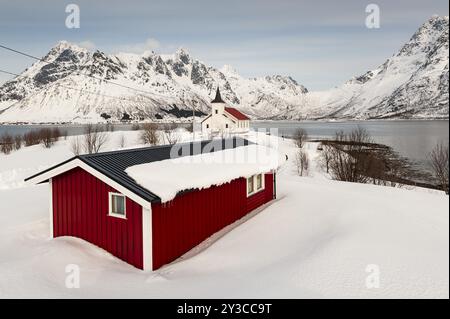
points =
(169, 177)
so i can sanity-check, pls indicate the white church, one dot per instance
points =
(224, 119)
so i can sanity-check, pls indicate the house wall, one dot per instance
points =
(183, 223)
(80, 209)
(217, 122)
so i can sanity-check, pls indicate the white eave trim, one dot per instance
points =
(76, 162)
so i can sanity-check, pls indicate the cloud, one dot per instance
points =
(150, 44)
(89, 45)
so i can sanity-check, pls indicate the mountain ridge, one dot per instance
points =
(77, 85)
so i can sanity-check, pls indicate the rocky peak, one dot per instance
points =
(183, 55)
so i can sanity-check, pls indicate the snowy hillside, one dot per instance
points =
(70, 86)
(411, 84)
(75, 85)
(319, 239)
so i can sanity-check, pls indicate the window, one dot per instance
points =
(250, 186)
(255, 184)
(217, 111)
(226, 125)
(259, 182)
(117, 207)
(207, 125)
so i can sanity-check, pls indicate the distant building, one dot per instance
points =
(224, 118)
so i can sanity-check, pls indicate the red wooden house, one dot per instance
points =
(93, 198)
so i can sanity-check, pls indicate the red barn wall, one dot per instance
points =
(183, 223)
(80, 209)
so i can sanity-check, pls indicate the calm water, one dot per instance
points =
(72, 129)
(413, 139)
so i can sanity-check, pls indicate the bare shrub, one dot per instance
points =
(6, 143)
(300, 137)
(76, 145)
(355, 158)
(171, 136)
(18, 141)
(46, 137)
(32, 138)
(94, 138)
(439, 164)
(149, 134)
(325, 156)
(349, 158)
(302, 162)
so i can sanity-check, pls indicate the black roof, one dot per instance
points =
(218, 98)
(113, 164)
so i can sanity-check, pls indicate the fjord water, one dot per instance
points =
(413, 139)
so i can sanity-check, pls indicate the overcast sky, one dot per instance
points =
(319, 43)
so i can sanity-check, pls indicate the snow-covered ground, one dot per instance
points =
(320, 238)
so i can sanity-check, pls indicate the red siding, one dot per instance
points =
(183, 223)
(80, 209)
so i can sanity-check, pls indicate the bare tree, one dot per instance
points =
(94, 138)
(6, 143)
(325, 156)
(300, 137)
(355, 158)
(76, 145)
(31, 138)
(149, 134)
(46, 137)
(18, 141)
(349, 158)
(302, 162)
(439, 164)
(171, 136)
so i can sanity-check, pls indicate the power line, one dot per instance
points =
(88, 75)
(8, 72)
(21, 53)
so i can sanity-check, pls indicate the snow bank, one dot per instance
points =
(169, 177)
(316, 240)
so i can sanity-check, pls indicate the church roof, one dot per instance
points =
(236, 113)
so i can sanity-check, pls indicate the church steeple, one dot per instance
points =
(218, 98)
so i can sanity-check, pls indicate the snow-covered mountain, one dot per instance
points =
(72, 84)
(411, 84)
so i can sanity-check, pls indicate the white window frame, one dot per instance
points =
(110, 212)
(255, 184)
